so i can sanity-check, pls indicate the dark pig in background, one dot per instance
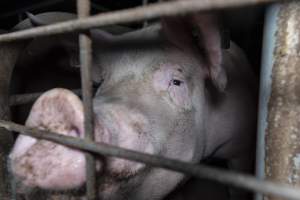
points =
(168, 90)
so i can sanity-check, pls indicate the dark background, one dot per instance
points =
(11, 11)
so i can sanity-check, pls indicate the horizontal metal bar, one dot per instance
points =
(19, 99)
(151, 11)
(219, 175)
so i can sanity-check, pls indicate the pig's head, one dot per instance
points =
(152, 99)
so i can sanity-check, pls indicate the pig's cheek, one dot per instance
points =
(161, 80)
(57, 168)
(180, 96)
(126, 168)
(132, 140)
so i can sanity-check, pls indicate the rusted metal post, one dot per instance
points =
(85, 44)
(282, 162)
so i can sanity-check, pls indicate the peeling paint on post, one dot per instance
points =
(282, 161)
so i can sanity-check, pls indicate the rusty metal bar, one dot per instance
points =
(152, 11)
(282, 156)
(85, 44)
(20, 99)
(220, 175)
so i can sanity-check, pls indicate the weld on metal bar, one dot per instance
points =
(20, 99)
(141, 13)
(85, 44)
(219, 175)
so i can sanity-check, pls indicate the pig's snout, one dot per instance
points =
(44, 164)
(47, 165)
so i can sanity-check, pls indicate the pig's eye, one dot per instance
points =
(172, 85)
(178, 92)
(177, 82)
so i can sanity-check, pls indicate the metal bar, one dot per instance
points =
(85, 44)
(265, 88)
(151, 11)
(219, 175)
(20, 99)
(9, 54)
(282, 137)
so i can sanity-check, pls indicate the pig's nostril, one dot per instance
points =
(138, 127)
(74, 132)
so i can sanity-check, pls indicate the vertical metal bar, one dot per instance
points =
(85, 44)
(282, 158)
(265, 88)
(9, 54)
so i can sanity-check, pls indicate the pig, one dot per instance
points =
(169, 90)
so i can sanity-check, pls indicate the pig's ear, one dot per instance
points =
(199, 32)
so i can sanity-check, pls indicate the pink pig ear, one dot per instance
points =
(199, 32)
